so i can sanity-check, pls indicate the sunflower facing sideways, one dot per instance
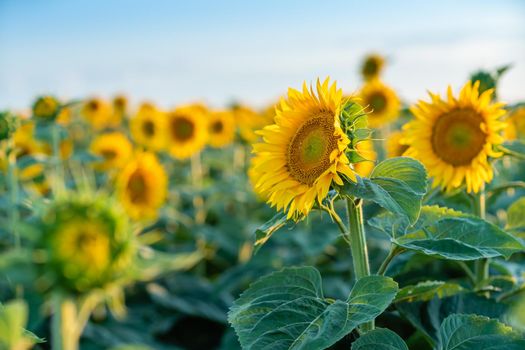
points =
(98, 113)
(187, 131)
(148, 127)
(395, 146)
(455, 137)
(114, 148)
(382, 102)
(303, 153)
(221, 128)
(142, 186)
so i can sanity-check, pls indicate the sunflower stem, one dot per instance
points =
(13, 193)
(196, 175)
(57, 166)
(358, 246)
(482, 265)
(394, 251)
(65, 331)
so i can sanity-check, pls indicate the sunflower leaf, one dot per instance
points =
(515, 217)
(287, 310)
(472, 332)
(265, 231)
(379, 339)
(396, 184)
(424, 291)
(449, 234)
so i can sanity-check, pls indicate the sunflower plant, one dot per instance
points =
(308, 161)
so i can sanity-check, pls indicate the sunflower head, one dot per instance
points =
(120, 104)
(382, 102)
(86, 241)
(148, 127)
(365, 149)
(515, 124)
(114, 148)
(249, 121)
(98, 113)
(372, 66)
(8, 125)
(142, 186)
(304, 152)
(187, 131)
(221, 128)
(46, 108)
(454, 137)
(395, 146)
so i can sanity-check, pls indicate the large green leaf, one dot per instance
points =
(427, 290)
(473, 332)
(396, 184)
(379, 339)
(287, 310)
(449, 234)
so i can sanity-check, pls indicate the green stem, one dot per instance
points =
(394, 251)
(65, 331)
(13, 194)
(57, 166)
(482, 265)
(358, 246)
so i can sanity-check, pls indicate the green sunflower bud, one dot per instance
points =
(46, 108)
(87, 242)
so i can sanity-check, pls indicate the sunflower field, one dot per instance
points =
(336, 218)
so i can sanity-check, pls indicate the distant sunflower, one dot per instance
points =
(249, 121)
(455, 137)
(221, 128)
(114, 148)
(142, 186)
(187, 131)
(516, 124)
(148, 127)
(366, 150)
(303, 153)
(98, 113)
(120, 108)
(64, 117)
(46, 107)
(382, 102)
(395, 147)
(372, 66)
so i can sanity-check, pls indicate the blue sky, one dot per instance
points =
(173, 52)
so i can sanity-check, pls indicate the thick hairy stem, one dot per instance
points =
(482, 265)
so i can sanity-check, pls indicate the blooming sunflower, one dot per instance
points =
(366, 150)
(87, 242)
(221, 128)
(46, 107)
(148, 127)
(382, 101)
(114, 148)
(187, 131)
(303, 153)
(394, 145)
(372, 66)
(120, 108)
(453, 138)
(249, 121)
(142, 186)
(98, 113)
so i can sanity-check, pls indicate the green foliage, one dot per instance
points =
(514, 148)
(427, 290)
(379, 339)
(449, 234)
(396, 184)
(516, 216)
(287, 310)
(473, 332)
(13, 319)
(264, 232)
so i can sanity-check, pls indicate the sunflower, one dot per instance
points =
(46, 107)
(382, 101)
(98, 113)
(114, 148)
(148, 127)
(64, 117)
(453, 138)
(249, 121)
(516, 124)
(366, 150)
(87, 242)
(372, 66)
(303, 153)
(221, 128)
(142, 186)
(394, 145)
(187, 131)
(120, 108)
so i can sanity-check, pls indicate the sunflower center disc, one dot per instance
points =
(137, 188)
(310, 148)
(148, 128)
(457, 137)
(217, 127)
(377, 102)
(182, 129)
